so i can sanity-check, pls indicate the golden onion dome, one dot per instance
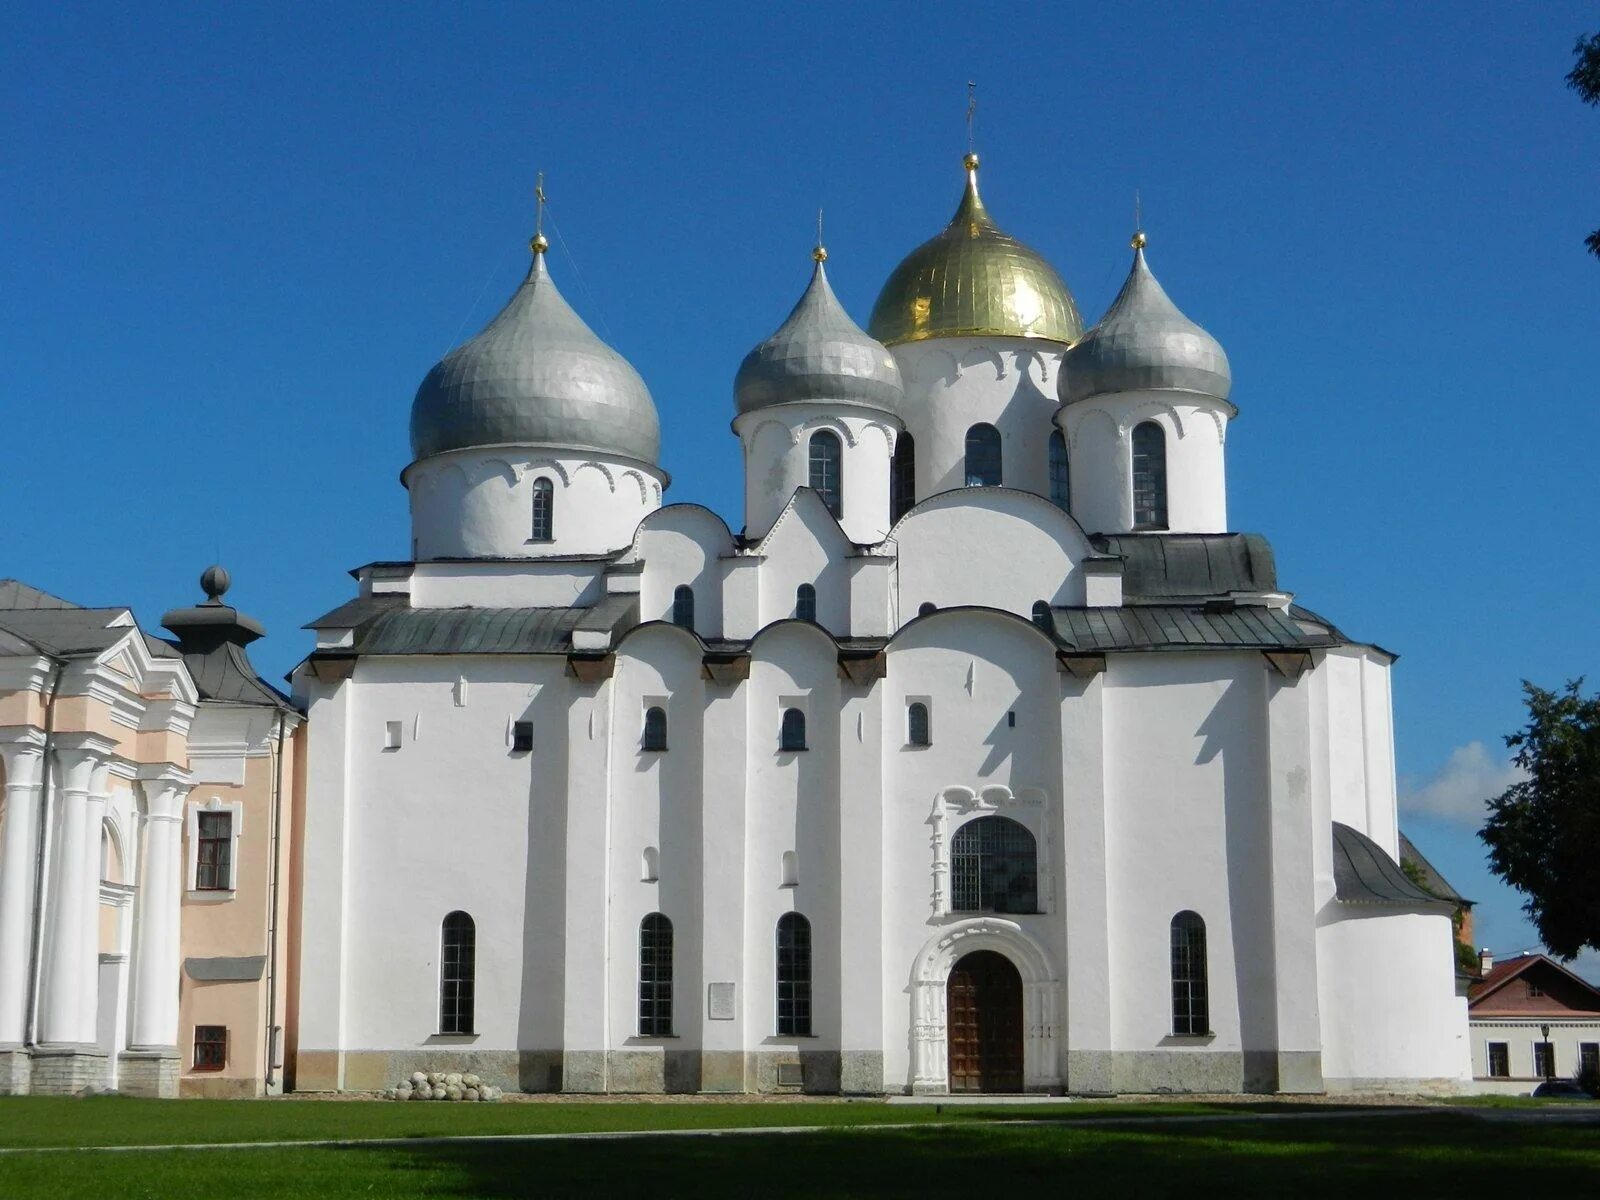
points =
(973, 280)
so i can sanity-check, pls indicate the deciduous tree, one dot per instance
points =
(1584, 78)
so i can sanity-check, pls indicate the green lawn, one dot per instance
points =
(965, 1152)
(1412, 1155)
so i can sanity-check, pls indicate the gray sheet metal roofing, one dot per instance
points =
(1363, 873)
(536, 376)
(1432, 881)
(67, 631)
(1144, 343)
(1158, 566)
(469, 631)
(1180, 627)
(226, 970)
(819, 354)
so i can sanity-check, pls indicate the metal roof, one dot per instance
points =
(354, 613)
(1432, 881)
(1363, 873)
(225, 970)
(1158, 566)
(16, 594)
(1144, 343)
(819, 354)
(1179, 627)
(469, 631)
(67, 631)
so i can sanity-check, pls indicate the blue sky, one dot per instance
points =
(236, 237)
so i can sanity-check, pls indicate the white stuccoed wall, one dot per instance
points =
(777, 446)
(1100, 457)
(954, 383)
(479, 502)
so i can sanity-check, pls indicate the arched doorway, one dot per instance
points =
(984, 1007)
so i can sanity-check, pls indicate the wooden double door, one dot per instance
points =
(984, 1011)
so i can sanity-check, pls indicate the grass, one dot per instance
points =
(121, 1121)
(1420, 1154)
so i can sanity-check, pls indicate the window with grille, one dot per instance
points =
(826, 470)
(1060, 482)
(210, 1047)
(1191, 1014)
(655, 976)
(457, 973)
(1544, 1060)
(918, 732)
(655, 729)
(903, 477)
(993, 867)
(983, 456)
(792, 733)
(214, 852)
(683, 606)
(1149, 476)
(805, 602)
(794, 976)
(1499, 1059)
(544, 511)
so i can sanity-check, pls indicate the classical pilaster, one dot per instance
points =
(585, 1033)
(724, 1066)
(70, 978)
(861, 869)
(22, 751)
(1086, 911)
(154, 1023)
(1294, 947)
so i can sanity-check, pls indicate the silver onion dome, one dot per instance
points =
(536, 376)
(819, 354)
(1144, 343)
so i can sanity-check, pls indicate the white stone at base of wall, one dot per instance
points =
(14, 1071)
(67, 1070)
(149, 1073)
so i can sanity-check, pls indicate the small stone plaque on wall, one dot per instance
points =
(719, 1003)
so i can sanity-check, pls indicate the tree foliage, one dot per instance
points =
(1584, 78)
(1543, 833)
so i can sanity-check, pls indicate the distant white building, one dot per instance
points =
(982, 758)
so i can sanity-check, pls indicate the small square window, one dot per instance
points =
(1534, 989)
(1011, 719)
(391, 735)
(210, 1047)
(521, 737)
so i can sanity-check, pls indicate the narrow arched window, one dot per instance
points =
(1043, 617)
(655, 976)
(457, 973)
(792, 733)
(655, 729)
(794, 976)
(683, 606)
(826, 466)
(789, 869)
(805, 602)
(918, 732)
(1060, 481)
(993, 867)
(650, 865)
(903, 477)
(544, 511)
(983, 456)
(1190, 1010)
(1149, 476)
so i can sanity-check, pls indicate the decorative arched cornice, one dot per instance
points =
(605, 473)
(554, 466)
(948, 945)
(974, 355)
(1146, 411)
(1074, 418)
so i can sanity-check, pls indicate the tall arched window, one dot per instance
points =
(993, 867)
(792, 734)
(1060, 482)
(903, 477)
(655, 729)
(1043, 617)
(918, 732)
(794, 976)
(805, 602)
(826, 465)
(983, 456)
(683, 606)
(458, 951)
(1190, 1009)
(1149, 476)
(544, 511)
(655, 976)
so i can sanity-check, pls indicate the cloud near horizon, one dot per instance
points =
(1461, 789)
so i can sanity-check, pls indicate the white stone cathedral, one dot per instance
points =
(983, 757)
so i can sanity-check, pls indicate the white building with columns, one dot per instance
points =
(982, 757)
(118, 899)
